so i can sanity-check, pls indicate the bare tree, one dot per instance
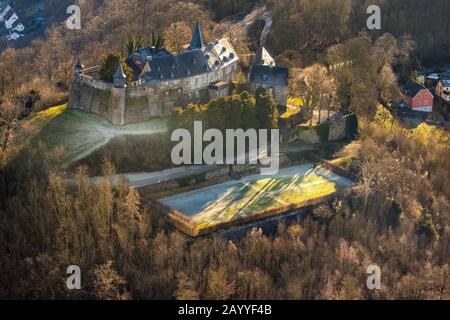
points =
(313, 84)
(9, 113)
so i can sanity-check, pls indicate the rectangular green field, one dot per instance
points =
(236, 200)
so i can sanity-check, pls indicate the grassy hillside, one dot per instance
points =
(78, 133)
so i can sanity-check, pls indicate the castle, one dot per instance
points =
(163, 80)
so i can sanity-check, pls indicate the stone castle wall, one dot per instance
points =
(137, 103)
(336, 130)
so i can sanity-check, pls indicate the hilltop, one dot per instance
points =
(75, 133)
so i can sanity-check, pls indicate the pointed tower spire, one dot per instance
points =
(119, 77)
(197, 39)
(78, 66)
(264, 58)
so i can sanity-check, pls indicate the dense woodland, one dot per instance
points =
(398, 217)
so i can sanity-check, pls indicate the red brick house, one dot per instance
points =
(418, 97)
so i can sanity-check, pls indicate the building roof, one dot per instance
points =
(270, 75)
(197, 38)
(433, 76)
(445, 75)
(412, 88)
(3, 6)
(215, 55)
(120, 75)
(138, 58)
(263, 57)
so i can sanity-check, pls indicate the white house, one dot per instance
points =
(14, 36)
(10, 22)
(443, 89)
(4, 12)
(19, 27)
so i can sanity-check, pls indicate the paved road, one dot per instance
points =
(143, 179)
(108, 132)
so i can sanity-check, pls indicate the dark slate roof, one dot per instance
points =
(445, 75)
(119, 73)
(197, 39)
(142, 55)
(271, 75)
(167, 67)
(412, 88)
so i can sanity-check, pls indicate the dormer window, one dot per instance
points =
(188, 71)
(265, 77)
(173, 66)
(161, 76)
(194, 61)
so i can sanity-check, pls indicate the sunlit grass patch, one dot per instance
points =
(290, 112)
(237, 200)
(77, 132)
(295, 101)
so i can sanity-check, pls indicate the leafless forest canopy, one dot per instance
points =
(398, 217)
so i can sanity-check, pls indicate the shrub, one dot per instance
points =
(426, 227)
(109, 67)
